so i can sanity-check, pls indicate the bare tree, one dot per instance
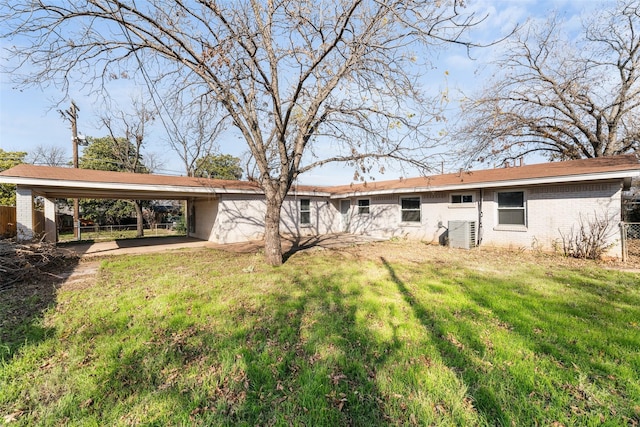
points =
(193, 128)
(49, 156)
(127, 132)
(305, 82)
(564, 98)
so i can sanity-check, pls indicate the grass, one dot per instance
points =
(373, 335)
(107, 234)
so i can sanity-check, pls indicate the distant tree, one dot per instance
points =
(134, 128)
(111, 154)
(561, 97)
(195, 126)
(218, 166)
(9, 159)
(121, 154)
(49, 156)
(116, 154)
(107, 154)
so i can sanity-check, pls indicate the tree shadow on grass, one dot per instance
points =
(582, 323)
(23, 304)
(297, 355)
(486, 402)
(576, 338)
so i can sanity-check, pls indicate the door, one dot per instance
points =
(345, 205)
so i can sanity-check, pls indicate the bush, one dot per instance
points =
(590, 240)
(180, 226)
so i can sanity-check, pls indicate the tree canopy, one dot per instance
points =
(111, 154)
(561, 95)
(219, 166)
(9, 159)
(305, 82)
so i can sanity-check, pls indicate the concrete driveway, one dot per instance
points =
(144, 245)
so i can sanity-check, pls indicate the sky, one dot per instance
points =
(31, 117)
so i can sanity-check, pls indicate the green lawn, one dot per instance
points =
(105, 233)
(391, 333)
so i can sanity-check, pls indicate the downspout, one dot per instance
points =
(480, 214)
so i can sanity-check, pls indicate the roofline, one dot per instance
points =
(209, 191)
(204, 190)
(495, 184)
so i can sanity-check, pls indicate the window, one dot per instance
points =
(363, 206)
(305, 211)
(410, 209)
(462, 198)
(511, 208)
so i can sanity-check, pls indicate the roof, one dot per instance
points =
(90, 175)
(70, 182)
(617, 167)
(62, 182)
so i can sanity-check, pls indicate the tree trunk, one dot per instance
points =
(139, 219)
(272, 242)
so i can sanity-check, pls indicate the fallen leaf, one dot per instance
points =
(12, 417)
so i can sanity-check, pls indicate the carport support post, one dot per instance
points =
(50, 229)
(24, 214)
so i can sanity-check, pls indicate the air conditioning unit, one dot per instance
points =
(462, 234)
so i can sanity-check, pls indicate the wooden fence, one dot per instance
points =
(7, 221)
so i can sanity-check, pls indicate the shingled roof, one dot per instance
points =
(98, 176)
(583, 169)
(574, 170)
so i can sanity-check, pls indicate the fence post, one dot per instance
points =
(623, 234)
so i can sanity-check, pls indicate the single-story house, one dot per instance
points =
(520, 207)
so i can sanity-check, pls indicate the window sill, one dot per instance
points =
(410, 224)
(462, 205)
(514, 227)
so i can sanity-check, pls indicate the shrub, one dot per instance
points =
(591, 238)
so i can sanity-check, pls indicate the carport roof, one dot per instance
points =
(59, 182)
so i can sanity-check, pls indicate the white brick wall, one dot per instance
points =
(24, 214)
(553, 209)
(550, 209)
(240, 218)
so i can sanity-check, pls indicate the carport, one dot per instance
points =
(51, 183)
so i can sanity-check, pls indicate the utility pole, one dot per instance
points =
(72, 115)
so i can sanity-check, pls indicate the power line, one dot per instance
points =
(152, 89)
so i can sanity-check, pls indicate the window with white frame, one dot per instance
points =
(410, 209)
(461, 198)
(511, 208)
(305, 211)
(363, 206)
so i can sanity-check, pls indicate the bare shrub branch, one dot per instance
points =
(591, 239)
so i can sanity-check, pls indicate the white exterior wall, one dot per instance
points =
(323, 215)
(549, 210)
(552, 209)
(240, 218)
(205, 218)
(384, 219)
